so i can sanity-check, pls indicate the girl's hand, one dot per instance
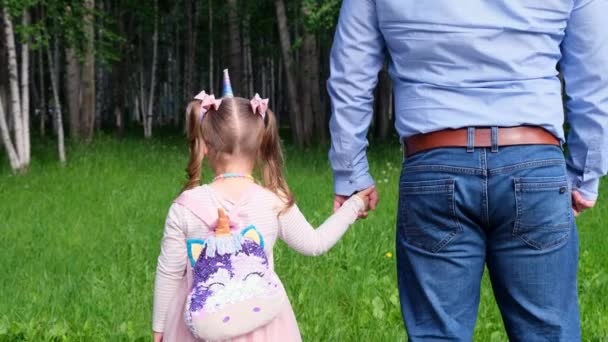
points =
(366, 195)
(158, 337)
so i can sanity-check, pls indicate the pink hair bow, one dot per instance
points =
(207, 101)
(259, 105)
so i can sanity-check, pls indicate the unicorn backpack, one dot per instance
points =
(234, 291)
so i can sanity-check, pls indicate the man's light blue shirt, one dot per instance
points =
(472, 63)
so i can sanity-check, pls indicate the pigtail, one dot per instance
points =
(271, 157)
(195, 141)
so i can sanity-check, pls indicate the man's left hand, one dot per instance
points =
(579, 204)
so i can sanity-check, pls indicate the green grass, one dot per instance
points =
(78, 249)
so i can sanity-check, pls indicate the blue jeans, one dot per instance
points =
(507, 208)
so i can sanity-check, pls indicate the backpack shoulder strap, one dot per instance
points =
(209, 215)
(205, 214)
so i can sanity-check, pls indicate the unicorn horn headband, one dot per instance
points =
(227, 86)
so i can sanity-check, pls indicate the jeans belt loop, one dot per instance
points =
(471, 140)
(494, 139)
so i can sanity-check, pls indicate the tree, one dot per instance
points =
(235, 53)
(42, 93)
(57, 115)
(307, 59)
(6, 140)
(383, 105)
(247, 84)
(292, 94)
(19, 160)
(73, 89)
(210, 22)
(192, 15)
(319, 21)
(149, 115)
(88, 75)
(25, 91)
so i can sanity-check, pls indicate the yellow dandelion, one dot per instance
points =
(388, 255)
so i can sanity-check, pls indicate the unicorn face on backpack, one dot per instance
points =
(234, 289)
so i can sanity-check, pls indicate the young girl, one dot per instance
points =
(237, 135)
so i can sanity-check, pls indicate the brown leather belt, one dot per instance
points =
(507, 136)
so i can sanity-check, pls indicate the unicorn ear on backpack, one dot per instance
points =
(194, 248)
(251, 233)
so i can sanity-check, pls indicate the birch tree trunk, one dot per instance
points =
(57, 67)
(88, 75)
(236, 64)
(137, 109)
(140, 103)
(25, 93)
(6, 140)
(4, 82)
(57, 115)
(42, 87)
(120, 81)
(294, 110)
(150, 107)
(14, 90)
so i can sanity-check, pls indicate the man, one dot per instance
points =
(478, 106)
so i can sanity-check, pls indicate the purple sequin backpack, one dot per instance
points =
(234, 290)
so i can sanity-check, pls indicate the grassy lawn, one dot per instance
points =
(78, 249)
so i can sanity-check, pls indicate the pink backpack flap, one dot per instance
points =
(234, 290)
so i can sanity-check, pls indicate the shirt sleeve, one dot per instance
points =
(584, 65)
(171, 266)
(295, 230)
(357, 55)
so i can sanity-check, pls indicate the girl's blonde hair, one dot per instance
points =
(235, 130)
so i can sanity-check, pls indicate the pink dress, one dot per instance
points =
(174, 272)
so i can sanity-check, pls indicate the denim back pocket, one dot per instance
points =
(428, 217)
(544, 210)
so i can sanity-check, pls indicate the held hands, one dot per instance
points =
(579, 204)
(369, 197)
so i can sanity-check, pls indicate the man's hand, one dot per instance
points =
(158, 337)
(579, 204)
(373, 200)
